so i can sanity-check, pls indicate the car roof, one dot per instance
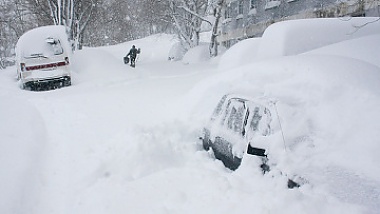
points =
(264, 101)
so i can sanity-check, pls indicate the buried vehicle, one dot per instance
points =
(241, 126)
(43, 58)
(234, 126)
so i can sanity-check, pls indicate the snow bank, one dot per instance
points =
(22, 147)
(363, 48)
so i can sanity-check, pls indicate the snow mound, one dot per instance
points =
(356, 48)
(197, 54)
(241, 53)
(177, 51)
(299, 36)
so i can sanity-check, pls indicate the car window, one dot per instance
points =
(219, 108)
(225, 113)
(268, 119)
(255, 119)
(43, 49)
(56, 46)
(236, 116)
(261, 120)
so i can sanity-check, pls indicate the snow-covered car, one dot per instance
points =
(43, 58)
(241, 126)
(238, 126)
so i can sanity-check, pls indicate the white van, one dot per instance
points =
(43, 58)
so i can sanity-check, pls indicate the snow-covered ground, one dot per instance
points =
(123, 140)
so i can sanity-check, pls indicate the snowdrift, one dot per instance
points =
(121, 140)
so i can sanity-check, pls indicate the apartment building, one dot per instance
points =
(249, 18)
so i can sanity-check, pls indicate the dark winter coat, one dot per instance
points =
(132, 53)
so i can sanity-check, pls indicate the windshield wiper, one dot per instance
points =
(39, 55)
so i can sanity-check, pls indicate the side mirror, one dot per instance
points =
(51, 41)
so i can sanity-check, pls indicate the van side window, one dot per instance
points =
(57, 48)
(55, 45)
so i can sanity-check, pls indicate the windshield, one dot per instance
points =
(236, 117)
(48, 48)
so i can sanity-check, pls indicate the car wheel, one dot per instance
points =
(26, 87)
(206, 144)
(223, 151)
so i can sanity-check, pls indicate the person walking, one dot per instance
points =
(133, 54)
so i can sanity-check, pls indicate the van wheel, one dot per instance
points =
(67, 81)
(26, 87)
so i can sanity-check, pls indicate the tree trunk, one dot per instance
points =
(214, 34)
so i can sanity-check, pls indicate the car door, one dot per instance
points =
(258, 127)
(230, 145)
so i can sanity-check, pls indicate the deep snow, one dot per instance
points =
(123, 140)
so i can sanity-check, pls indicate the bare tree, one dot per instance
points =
(14, 21)
(188, 16)
(154, 16)
(74, 14)
(217, 7)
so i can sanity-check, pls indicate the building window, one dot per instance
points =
(241, 7)
(252, 4)
(227, 12)
(272, 4)
(227, 43)
(252, 7)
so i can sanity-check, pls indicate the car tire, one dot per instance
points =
(206, 144)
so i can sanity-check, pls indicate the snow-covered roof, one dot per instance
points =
(299, 36)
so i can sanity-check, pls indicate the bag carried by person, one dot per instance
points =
(126, 60)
